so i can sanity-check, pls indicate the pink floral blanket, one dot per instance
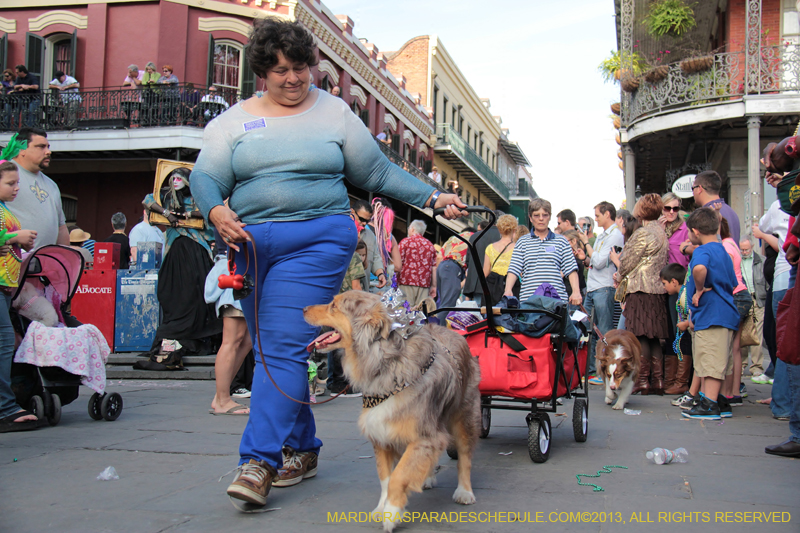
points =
(82, 351)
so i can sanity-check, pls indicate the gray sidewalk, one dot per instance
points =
(170, 452)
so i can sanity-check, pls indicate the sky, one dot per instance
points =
(537, 63)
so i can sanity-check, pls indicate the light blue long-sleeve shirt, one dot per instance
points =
(293, 168)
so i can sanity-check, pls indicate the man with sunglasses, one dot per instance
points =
(361, 213)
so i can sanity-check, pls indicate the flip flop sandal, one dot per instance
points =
(9, 424)
(234, 411)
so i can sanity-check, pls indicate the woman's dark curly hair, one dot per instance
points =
(271, 35)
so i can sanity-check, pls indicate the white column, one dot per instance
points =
(630, 175)
(754, 182)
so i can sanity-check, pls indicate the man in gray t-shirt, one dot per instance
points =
(38, 204)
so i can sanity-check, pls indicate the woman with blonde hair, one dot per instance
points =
(498, 257)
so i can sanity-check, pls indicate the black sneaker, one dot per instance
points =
(735, 401)
(742, 390)
(725, 406)
(690, 402)
(705, 409)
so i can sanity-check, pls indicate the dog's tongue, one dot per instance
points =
(323, 340)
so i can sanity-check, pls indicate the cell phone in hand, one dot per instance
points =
(618, 249)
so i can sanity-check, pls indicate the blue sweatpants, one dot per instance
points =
(299, 264)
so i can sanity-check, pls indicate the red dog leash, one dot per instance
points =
(596, 329)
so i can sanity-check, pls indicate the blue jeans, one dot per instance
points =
(299, 264)
(793, 373)
(602, 301)
(8, 402)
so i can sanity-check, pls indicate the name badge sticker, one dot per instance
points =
(550, 249)
(255, 124)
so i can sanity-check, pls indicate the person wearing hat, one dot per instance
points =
(82, 241)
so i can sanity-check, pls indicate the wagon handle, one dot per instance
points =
(474, 252)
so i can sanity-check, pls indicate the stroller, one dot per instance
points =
(54, 272)
(524, 373)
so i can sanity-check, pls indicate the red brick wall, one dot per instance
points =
(736, 25)
(411, 61)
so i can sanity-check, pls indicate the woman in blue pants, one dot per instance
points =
(282, 157)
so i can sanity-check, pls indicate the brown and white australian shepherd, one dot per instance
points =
(619, 362)
(420, 395)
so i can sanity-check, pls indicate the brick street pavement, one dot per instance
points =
(170, 453)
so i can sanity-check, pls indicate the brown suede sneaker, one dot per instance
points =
(252, 482)
(297, 466)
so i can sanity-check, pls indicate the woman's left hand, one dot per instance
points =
(451, 203)
(228, 224)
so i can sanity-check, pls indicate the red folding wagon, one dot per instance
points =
(523, 373)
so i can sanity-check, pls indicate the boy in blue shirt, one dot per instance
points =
(714, 314)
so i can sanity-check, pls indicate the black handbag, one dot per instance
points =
(497, 283)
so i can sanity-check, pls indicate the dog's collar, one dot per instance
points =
(369, 401)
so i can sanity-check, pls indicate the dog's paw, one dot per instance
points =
(392, 516)
(430, 482)
(609, 401)
(618, 406)
(377, 513)
(464, 497)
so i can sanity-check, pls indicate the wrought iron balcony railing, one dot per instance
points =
(405, 164)
(52, 110)
(446, 135)
(775, 70)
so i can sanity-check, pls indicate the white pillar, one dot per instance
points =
(754, 182)
(630, 175)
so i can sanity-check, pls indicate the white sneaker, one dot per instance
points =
(680, 399)
(762, 379)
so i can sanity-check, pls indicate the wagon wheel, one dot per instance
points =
(580, 419)
(486, 419)
(539, 433)
(111, 406)
(37, 407)
(94, 406)
(55, 412)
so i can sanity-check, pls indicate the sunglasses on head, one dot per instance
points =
(673, 209)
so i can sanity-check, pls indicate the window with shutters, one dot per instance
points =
(227, 65)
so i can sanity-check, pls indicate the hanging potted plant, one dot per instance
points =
(669, 17)
(620, 65)
(693, 65)
(656, 74)
(629, 84)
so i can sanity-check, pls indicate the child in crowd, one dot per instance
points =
(713, 314)
(673, 277)
(12, 416)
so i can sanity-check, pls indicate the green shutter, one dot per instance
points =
(4, 52)
(210, 71)
(248, 76)
(73, 65)
(34, 54)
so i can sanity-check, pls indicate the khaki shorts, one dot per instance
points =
(711, 350)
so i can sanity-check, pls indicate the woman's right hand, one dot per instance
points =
(228, 224)
(451, 203)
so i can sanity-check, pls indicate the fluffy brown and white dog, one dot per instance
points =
(426, 390)
(619, 362)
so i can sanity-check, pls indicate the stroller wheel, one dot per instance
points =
(37, 407)
(55, 413)
(94, 407)
(111, 406)
(486, 421)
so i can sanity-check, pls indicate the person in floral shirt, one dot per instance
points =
(418, 257)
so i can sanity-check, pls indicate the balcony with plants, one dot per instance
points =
(668, 64)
